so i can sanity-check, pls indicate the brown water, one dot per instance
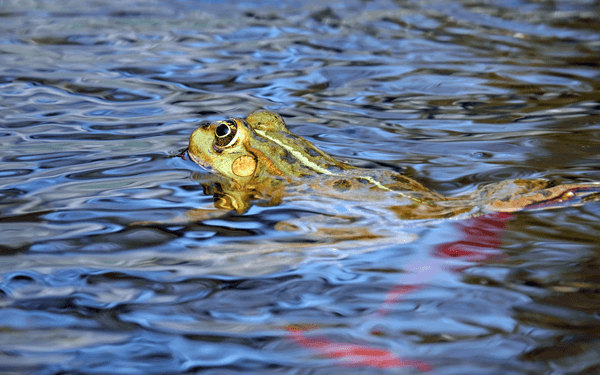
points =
(97, 99)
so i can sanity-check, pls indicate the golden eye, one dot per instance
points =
(225, 134)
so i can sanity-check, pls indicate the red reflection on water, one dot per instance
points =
(353, 355)
(393, 297)
(481, 237)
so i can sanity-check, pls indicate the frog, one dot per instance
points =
(256, 159)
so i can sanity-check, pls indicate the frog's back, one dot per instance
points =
(293, 155)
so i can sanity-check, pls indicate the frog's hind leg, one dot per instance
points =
(553, 197)
(567, 195)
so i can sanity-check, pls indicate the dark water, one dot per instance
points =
(97, 98)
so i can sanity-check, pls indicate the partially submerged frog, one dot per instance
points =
(256, 159)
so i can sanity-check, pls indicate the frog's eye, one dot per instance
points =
(225, 134)
(222, 130)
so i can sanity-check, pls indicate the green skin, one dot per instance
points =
(295, 157)
(255, 158)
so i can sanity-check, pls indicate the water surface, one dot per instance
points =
(97, 99)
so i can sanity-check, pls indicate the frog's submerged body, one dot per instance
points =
(257, 158)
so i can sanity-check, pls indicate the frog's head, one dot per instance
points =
(257, 146)
(219, 147)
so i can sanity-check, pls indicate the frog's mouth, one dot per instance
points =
(203, 164)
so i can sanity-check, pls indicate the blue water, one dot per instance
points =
(97, 100)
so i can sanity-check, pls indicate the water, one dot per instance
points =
(97, 99)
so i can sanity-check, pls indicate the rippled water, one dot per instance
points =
(98, 98)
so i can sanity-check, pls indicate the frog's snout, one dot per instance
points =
(195, 138)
